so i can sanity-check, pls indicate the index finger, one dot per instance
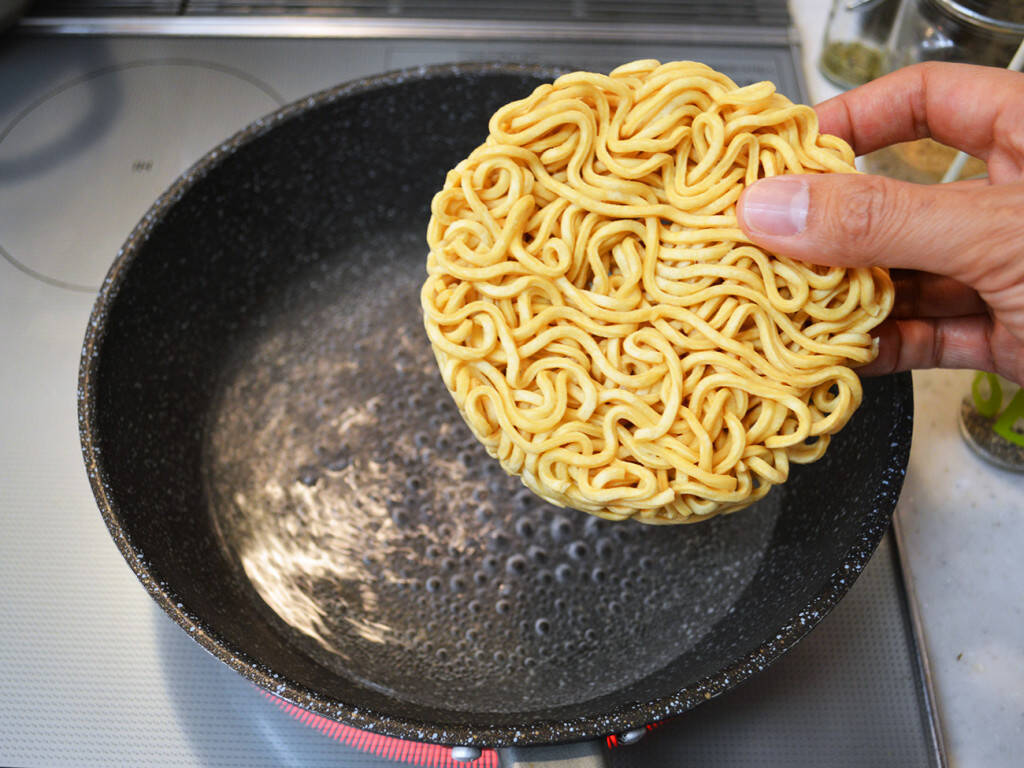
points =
(961, 105)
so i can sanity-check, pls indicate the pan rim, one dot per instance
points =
(636, 715)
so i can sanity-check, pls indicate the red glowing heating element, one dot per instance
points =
(409, 752)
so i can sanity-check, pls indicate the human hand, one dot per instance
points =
(956, 250)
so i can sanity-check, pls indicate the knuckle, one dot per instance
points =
(1012, 137)
(938, 347)
(992, 259)
(859, 212)
(927, 71)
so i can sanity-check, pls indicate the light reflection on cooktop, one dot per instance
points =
(124, 130)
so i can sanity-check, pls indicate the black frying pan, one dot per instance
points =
(274, 453)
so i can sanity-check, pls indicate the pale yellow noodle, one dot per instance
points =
(606, 329)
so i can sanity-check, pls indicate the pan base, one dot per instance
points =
(384, 543)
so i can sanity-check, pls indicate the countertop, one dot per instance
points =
(960, 525)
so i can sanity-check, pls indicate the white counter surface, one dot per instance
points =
(960, 523)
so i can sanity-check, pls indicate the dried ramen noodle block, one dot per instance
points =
(604, 326)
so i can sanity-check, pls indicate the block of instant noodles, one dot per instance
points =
(606, 329)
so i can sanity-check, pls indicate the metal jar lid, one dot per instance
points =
(1000, 16)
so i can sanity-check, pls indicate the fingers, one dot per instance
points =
(954, 342)
(967, 107)
(920, 294)
(972, 234)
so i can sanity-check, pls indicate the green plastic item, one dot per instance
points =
(987, 406)
(1008, 418)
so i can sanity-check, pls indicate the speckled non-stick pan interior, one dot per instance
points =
(274, 452)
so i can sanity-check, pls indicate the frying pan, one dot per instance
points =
(274, 453)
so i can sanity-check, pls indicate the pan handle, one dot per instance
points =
(582, 754)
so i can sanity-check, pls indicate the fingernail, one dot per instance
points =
(776, 207)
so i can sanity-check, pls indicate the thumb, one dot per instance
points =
(855, 220)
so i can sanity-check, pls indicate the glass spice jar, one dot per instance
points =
(967, 31)
(853, 49)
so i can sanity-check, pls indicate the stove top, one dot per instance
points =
(92, 129)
